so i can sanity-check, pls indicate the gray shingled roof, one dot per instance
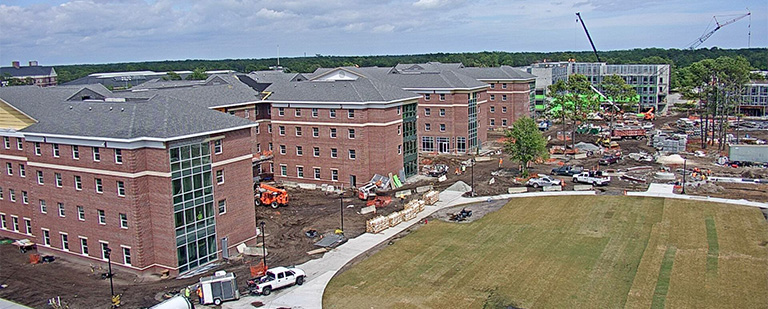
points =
(503, 72)
(360, 90)
(159, 117)
(446, 79)
(275, 76)
(27, 71)
(217, 90)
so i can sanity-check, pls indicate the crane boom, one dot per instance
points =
(578, 14)
(706, 36)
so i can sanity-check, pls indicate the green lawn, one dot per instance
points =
(571, 252)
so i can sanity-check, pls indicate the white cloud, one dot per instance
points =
(383, 28)
(267, 13)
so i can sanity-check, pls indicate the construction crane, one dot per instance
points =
(578, 14)
(706, 36)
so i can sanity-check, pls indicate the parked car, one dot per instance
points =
(608, 160)
(276, 278)
(567, 170)
(594, 178)
(544, 125)
(543, 181)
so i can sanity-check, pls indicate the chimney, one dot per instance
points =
(33, 63)
(15, 64)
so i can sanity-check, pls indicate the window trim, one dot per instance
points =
(123, 219)
(218, 207)
(80, 213)
(101, 214)
(118, 156)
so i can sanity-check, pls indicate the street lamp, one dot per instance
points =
(108, 253)
(264, 244)
(472, 190)
(684, 172)
(341, 205)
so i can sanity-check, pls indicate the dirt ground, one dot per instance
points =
(80, 286)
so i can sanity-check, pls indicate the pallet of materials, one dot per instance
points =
(418, 204)
(377, 224)
(431, 197)
(395, 218)
(409, 213)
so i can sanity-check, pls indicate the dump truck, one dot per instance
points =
(268, 195)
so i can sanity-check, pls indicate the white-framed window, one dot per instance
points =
(24, 197)
(334, 175)
(123, 220)
(427, 96)
(332, 113)
(43, 207)
(297, 112)
(442, 127)
(120, 188)
(1, 193)
(493, 122)
(46, 237)
(270, 146)
(126, 255)
(75, 152)
(102, 216)
(281, 111)
(19, 143)
(12, 194)
(316, 151)
(83, 245)
(7, 142)
(503, 97)
(58, 181)
(352, 154)
(269, 128)
(15, 222)
(282, 149)
(315, 132)
(317, 172)
(80, 213)
(38, 151)
(56, 152)
(220, 177)
(427, 127)
(333, 132)
(299, 150)
(61, 210)
(271, 167)
(300, 171)
(442, 97)
(334, 153)
(281, 130)
(257, 129)
(504, 122)
(3, 222)
(99, 185)
(399, 149)
(351, 133)
(64, 241)
(314, 113)
(399, 110)
(503, 109)
(493, 109)
(118, 156)
(96, 154)
(27, 226)
(78, 183)
(40, 178)
(399, 129)
(504, 86)
(104, 249)
(283, 170)
(9, 168)
(442, 112)
(493, 97)
(350, 113)
(22, 170)
(217, 147)
(298, 131)
(222, 206)
(427, 111)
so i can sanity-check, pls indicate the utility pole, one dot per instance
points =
(108, 253)
(264, 244)
(341, 205)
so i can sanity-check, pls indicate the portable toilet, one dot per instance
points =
(220, 287)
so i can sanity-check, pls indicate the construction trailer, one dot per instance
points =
(748, 153)
(220, 287)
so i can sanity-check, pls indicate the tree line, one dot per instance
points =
(676, 57)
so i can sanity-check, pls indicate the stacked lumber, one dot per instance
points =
(418, 204)
(410, 213)
(431, 197)
(395, 218)
(377, 224)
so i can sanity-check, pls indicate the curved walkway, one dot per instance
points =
(320, 271)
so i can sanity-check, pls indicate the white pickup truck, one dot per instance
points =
(276, 278)
(595, 178)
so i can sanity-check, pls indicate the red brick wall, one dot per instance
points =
(517, 103)
(456, 118)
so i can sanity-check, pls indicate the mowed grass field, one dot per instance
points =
(572, 252)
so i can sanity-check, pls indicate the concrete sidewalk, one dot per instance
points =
(662, 190)
(321, 271)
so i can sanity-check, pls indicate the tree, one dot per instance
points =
(172, 76)
(525, 142)
(622, 95)
(197, 74)
(572, 100)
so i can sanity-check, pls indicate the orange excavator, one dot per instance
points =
(649, 115)
(269, 195)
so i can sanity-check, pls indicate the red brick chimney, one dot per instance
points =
(15, 64)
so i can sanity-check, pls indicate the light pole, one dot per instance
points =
(108, 253)
(341, 205)
(472, 190)
(684, 172)
(264, 244)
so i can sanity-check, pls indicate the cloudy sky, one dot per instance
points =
(104, 31)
